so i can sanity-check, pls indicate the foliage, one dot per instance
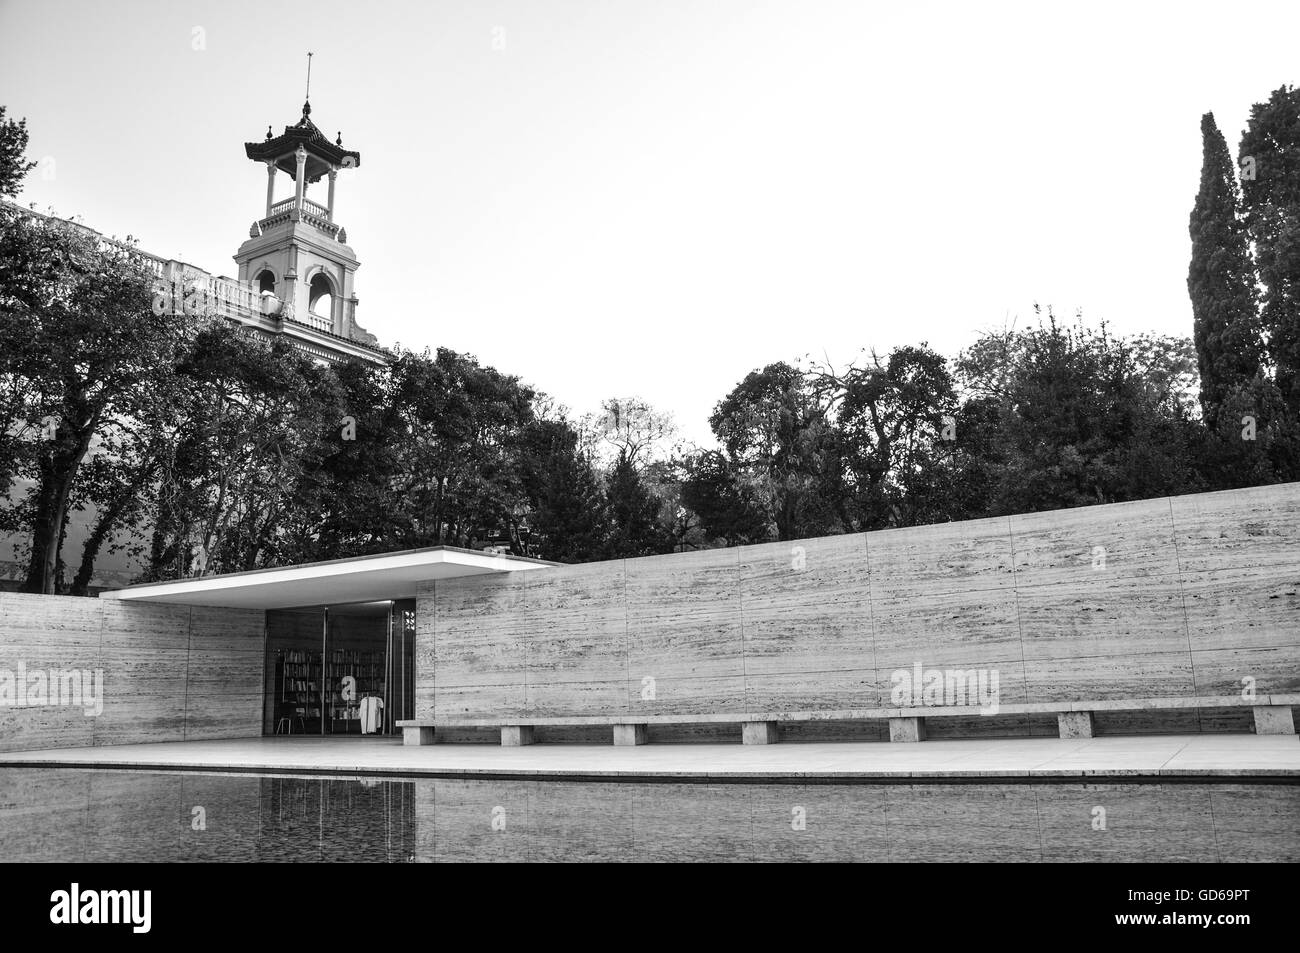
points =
(1271, 206)
(13, 154)
(82, 347)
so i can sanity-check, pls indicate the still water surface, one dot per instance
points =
(106, 815)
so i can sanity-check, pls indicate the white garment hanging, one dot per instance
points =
(372, 718)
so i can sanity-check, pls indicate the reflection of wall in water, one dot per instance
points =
(71, 815)
(573, 821)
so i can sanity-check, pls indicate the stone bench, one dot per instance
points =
(1074, 719)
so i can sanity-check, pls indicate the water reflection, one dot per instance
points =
(76, 815)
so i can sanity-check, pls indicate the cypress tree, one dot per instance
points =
(1221, 280)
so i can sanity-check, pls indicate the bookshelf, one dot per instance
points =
(368, 670)
(301, 699)
(298, 675)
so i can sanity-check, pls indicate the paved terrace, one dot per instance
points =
(1159, 756)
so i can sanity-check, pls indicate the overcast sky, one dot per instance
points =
(618, 197)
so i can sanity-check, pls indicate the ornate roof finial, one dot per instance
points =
(339, 140)
(268, 133)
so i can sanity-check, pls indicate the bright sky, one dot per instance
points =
(654, 197)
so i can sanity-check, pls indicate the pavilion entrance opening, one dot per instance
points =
(340, 669)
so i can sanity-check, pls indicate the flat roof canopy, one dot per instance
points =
(339, 581)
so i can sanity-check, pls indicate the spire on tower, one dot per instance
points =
(306, 104)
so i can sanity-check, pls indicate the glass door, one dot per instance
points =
(327, 670)
(356, 680)
(294, 671)
(400, 700)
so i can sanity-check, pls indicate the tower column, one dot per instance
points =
(289, 294)
(270, 185)
(301, 186)
(334, 174)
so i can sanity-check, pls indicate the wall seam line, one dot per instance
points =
(744, 663)
(189, 647)
(627, 648)
(871, 621)
(524, 634)
(1020, 629)
(99, 663)
(433, 645)
(1182, 598)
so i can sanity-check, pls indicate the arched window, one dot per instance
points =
(266, 282)
(321, 301)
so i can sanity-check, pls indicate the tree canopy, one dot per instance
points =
(198, 445)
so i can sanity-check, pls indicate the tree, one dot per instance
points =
(18, 427)
(628, 443)
(15, 418)
(631, 427)
(13, 154)
(117, 480)
(568, 522)
(895, 430)
(1270, 154)
(780, 445)
(250, 426)
(634, 514)
(1221, 281)
(348, 505)
(727, 508)
(680, 524)
(459, 432)
(82, 345)
(1081, 417)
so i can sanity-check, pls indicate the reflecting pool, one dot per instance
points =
(65, 814)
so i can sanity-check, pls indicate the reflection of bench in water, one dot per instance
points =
(1074, 719)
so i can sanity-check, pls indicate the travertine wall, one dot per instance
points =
(170, 673)
(1169, 597)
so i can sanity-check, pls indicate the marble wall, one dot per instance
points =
(167, 673)
(1168, 597)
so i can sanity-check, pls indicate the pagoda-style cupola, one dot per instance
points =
(306, 155)
(322, 155)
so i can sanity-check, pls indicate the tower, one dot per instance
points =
(296, 254)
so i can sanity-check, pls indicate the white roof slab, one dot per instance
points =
(336, 582)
